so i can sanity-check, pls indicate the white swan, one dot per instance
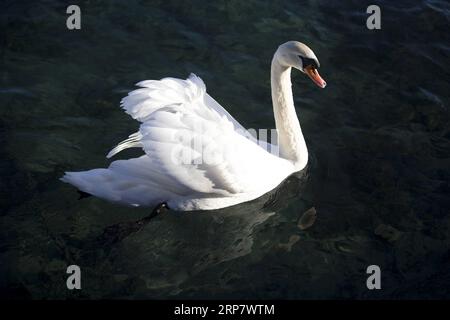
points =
(174, 114)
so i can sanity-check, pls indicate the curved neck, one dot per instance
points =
(292, 145)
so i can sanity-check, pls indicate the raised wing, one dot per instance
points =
(189, 137)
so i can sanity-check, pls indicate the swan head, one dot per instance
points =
(298, 55)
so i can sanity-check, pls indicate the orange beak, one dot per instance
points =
(315, 76)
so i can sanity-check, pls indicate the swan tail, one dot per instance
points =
(104, 184)
(133, 182)
(95, 182)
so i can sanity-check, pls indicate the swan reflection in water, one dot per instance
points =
(173, 247)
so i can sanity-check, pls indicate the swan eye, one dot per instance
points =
(309, 62)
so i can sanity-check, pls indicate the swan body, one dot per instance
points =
(197, 156)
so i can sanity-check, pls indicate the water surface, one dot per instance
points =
(378, 137)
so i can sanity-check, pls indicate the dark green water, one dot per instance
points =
(378, 137)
